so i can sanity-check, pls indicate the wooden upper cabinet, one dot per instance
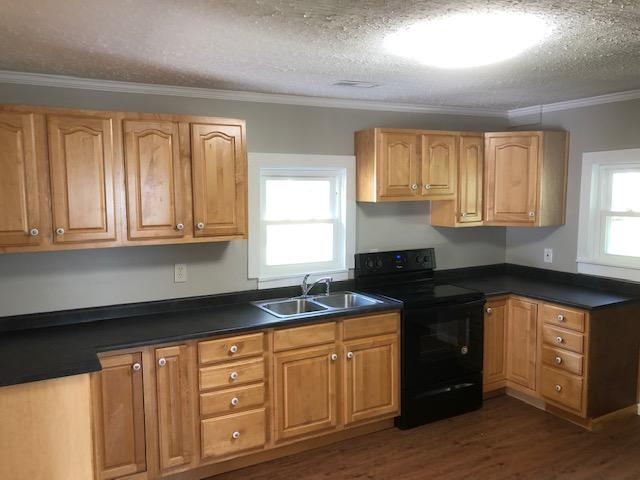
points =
(83, 176)
(399, 165)
(305, 386)
(372, 378)
(439, 166)
(20, 195)
(118, 417)
(522, 334)
(176, 418)
(525, 178)
(495, 345)
(219, 180)
(155, 185)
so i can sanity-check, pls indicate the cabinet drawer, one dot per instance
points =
(231, 374)
(233, 433)
(562, 388)
(563, 360)
(230, 348)
(563, 339)
(231, 399)
(306, 336)
(370, 326)
(563, 317)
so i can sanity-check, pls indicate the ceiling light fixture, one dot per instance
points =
(468, 40)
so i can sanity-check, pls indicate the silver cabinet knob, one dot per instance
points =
(558, 360)
(334, 357)
(180, 226)
(414, 187)
(349, 355)
(200, 226)
(532, 214)
(235, 435)
(558, 388)
(558, 340)
(561, 318)
(233, 376)
(233, 349)
(427, 187)
(136, 367)
(162, 362)
(463, 214)
(34, 232)
(60, 231)
(235, 401)
(489, 310)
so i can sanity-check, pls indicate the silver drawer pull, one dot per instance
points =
(235, 435)
(558, 388)
(414, 187)
(162, 362)
(180, 226)
(233, 349)
(532, 214)
(60, 231)
(34, 232)
(136, 367)
(349, 355)
(233, 376)
(235, 401)
(558, 360)
(561, 318)
(200, 226)
(558, 340)
(334, 357)
(489, 310)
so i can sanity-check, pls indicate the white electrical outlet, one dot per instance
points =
(548, 255)
(180, 273)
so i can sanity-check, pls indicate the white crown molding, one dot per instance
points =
(578, 103)
(194, 92)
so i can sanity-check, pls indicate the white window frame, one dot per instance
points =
(595, 208)
(340, 168)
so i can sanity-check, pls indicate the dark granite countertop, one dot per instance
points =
(51, 352)
(571, 295)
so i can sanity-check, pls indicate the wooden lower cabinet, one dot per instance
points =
(305, 385)
(522, 324)
(495, 344)
(119, 417)
(197, 408)
(175, 411)
(371, 378)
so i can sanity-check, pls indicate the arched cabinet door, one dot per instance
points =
(511, 180)
(20, 222)
(219, 167)
(439, 166)
(399, 165)
(83, 178)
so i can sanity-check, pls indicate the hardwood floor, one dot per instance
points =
(507, 439)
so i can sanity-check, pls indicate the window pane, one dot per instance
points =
(301, 243)
(624, 191)
(298, 199)
(622, 238)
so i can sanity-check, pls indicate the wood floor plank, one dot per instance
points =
(506, 439)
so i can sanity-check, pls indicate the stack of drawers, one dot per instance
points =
(563, 360)
(232, 395)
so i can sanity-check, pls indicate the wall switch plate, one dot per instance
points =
(548, 255)
(180, 273)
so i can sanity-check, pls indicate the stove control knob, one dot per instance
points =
(464, 350)
(370, 264)
(378, 263)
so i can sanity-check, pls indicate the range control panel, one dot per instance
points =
(395, 261)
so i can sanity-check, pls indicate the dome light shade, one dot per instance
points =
(468, 40)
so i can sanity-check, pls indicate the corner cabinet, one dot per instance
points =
(93, 179)
(405, 165)
(525, 178)
(199, 408)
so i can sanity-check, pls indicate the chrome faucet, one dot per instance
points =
(306, 287)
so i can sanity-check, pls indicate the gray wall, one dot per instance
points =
(37, 282)
(611, 126)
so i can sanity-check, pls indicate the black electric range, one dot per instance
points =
(442, 334)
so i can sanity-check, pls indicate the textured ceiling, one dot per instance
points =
(302, 47)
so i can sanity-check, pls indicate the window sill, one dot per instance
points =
(264, 283)
(601, 269)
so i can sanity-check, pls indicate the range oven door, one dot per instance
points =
(442, 343)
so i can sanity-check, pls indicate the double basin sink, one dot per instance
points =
(316, 304)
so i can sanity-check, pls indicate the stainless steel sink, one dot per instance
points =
(292, 307)
(345, 300)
